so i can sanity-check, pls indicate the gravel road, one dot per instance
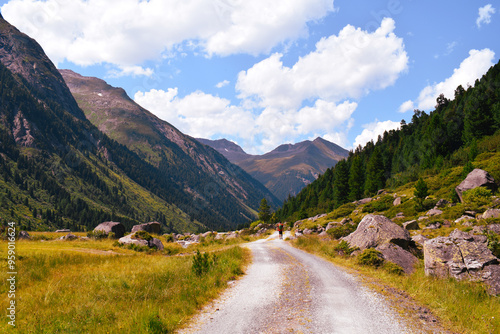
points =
(286, 290)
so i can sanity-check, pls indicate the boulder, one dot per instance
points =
(491, 213)
(411, 225)
(419, 239)
(23, 235)
(401, 257)
(441, 203)
(462, 256)
(69, 237)
(364, 201)
(494, 228)
(476, 178)
(129, 239)
(375, 230)
(433, 226)
(434, 212)
(152, 227)
(117, 228)
(64, 230)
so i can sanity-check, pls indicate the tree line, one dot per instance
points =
(398, 157)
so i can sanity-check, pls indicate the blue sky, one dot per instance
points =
(263, 73)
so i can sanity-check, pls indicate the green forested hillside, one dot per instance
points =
(451, 135)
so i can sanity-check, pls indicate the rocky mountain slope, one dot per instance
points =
(288, 168)
(199, 170)
(59, 170)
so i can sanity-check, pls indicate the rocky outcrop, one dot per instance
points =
(117, 228)
(23, 235)
(476, 178)
(462, 256)
(133, 239)
(401, 257)
(375, 230)
(491, 213)
(411, 225)
(152, 227)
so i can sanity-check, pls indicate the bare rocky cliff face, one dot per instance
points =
(22, 55)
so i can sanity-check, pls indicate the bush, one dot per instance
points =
(341, 231)
(393, 268)
(97, 235)
(477, 197)
(202, 263)
(344, 247)
(382, 204)
(370, 257)
(342, 211)
(493, 243)
(142, 235)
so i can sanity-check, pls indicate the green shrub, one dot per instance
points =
(97, 235)
(341, 231)
(169, 238)
(477, 197)
(142, 235)
(392, 268)
(493, 243)
(382, 204)
(202, 263)
(344, 247)
(370, 257)
(342, 211)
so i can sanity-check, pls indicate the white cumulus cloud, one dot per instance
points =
(198, 114)
(346, 66)
(129, 32)
(471, 68)
(484, 15)
(373, 130)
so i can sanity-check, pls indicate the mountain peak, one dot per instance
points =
(24, 57)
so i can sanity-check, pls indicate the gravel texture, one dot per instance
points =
(286, 290)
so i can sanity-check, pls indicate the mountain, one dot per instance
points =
(197, 169)
(288, 168)
(59, 170)
(230, 150)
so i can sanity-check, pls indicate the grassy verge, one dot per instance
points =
(63, 290)
(463, 307)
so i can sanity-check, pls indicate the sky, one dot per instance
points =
(264, 73)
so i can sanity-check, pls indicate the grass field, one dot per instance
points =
(97, 287)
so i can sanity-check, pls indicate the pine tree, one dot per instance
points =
(420, 193)
(356, 179)
(341, 183)
(264, 211)
(375, 178)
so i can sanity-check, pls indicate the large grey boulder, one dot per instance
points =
(152, 227)
(491, 213)
(462, 256)
(23, 235)
(401, 257)
(375, 230)
(132, 239)
(476, 178)
(117, 228)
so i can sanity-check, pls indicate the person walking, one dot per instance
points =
(280, 229)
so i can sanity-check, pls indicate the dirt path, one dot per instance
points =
(287, 290)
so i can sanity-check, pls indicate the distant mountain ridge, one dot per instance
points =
(197, 169)
(286, 169)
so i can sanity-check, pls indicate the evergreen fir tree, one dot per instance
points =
(356, 179)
